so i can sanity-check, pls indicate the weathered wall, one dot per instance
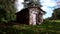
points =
(31, 16)
(35, 16)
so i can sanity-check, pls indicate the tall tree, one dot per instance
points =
(7, 10)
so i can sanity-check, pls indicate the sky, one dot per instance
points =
(48, 6)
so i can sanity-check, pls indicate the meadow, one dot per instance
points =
(47, 27)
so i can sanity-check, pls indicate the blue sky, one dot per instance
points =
(48, 6)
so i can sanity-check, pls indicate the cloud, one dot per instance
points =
(19, 4)
(48, 2)
(48, 6)
(48, 12)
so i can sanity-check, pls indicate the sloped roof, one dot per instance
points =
(27, 9)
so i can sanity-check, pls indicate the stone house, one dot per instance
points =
(32, 15)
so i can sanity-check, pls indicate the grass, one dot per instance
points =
(48, 27)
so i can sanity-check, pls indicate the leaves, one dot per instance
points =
(56, 14)
(7, 10)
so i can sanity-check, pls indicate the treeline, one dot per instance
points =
(55, 14)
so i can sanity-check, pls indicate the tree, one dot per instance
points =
(28, 3)
(7, 10)
(56, 14)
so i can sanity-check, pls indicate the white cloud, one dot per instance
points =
(48, 3)
(19, 4)
(48, 12)
(47, 6)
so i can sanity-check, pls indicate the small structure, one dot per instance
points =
(31, 15)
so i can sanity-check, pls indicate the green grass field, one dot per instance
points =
(48, 27)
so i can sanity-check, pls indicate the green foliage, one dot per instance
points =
(48, 27)
(7, 11)
(32, 3)
(56, 14)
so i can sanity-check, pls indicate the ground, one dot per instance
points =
(48, 27)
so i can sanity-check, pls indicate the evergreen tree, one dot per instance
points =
(28, 3)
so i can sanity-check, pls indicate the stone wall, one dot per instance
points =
(35, 16)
